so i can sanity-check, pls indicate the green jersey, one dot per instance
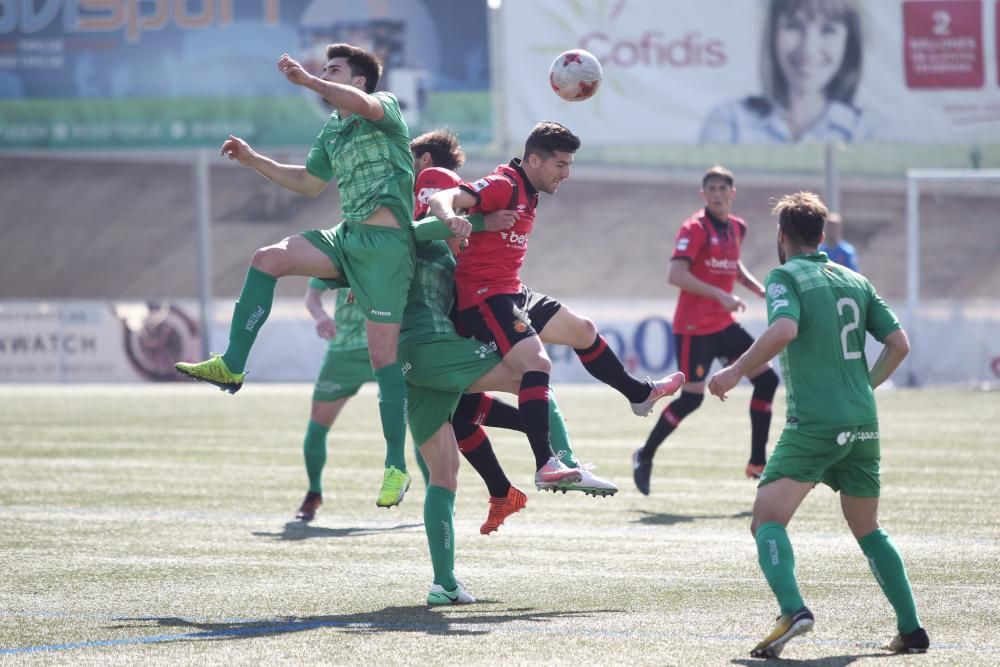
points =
(371, 161)
(824, 368)
(432, 293)
(349, 318)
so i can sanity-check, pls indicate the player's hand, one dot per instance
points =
(720, 383)
(293, 70)
(498, 221)
(732, 303)
(459, 226)
(326, 329)
(236, 149)
(457, 245)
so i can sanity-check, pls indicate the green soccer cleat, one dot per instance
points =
(214, 371)
(439, 596)
(788, 627)
(395, 483)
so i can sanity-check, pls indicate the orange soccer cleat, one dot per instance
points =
(501, 508)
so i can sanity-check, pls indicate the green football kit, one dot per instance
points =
(372, 164)
(831, 433)
(346, 365)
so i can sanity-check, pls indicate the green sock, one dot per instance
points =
(392, 408)
(777, 561)
(558, 435)
(439, 524)
(315, 454)
(422, 465)
(890, 573)
(249, 315)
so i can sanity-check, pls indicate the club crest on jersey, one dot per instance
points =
(480, 185)
(776, 289)
(520, 326)
(424, 196)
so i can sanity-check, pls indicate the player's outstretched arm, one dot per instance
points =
(326, 328)
(289, 176)
(897, 346)
(748, 280)
(443, 205)
(346, 98)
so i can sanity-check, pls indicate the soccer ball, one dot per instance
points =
(575, 75)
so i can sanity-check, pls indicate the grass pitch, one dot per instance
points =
(153, 524)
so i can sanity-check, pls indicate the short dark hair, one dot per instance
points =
(548, 137)
(362, 63)
(718, 171)
(844, 84)
(801, 217)
(442, 145)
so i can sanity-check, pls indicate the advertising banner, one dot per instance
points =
(84, 341)
(760, 71)
(187, 73)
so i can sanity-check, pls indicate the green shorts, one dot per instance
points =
(342, 374)
(376, 262)
(437, 372)
(845, 459)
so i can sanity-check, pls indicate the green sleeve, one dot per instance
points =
(318, 162)
(392, 116)
(435, 229)
(881, 321)
(782, 299)
(317, 283)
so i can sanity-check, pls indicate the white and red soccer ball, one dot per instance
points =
(575, 75)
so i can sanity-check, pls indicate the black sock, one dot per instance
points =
(488, 411)
(602, 363)
(764, 386)
(533, 404)
(478, 451)
(669, 419)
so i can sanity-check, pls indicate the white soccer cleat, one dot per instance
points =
(439, 596)
(554, 472)
(589, 483)
(657, 390)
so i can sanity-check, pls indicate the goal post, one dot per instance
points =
(914, 179)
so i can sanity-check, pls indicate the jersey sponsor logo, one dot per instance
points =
(480, 185)
(424, 196)
(407, 367)
(515, 239)
(380, 313)
(724, 264)
(682, 244)
(776, 289)
(778, 304)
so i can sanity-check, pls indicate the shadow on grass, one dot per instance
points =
(662, 519)
(416, 619)
(297, 530)
(831, 661)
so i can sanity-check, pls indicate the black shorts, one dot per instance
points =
(507, 319)
(695, 354)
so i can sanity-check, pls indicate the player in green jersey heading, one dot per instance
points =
(819, 313)
(365, 147)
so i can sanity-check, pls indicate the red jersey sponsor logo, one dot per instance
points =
(714, 256)
(491, 263)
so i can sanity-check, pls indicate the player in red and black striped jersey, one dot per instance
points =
(498, 309)
(705, 266)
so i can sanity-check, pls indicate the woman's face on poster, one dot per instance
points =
(810, 48)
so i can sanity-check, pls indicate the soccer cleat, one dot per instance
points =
(554, 472)
(501, 508)
(754, 470)
(589, 483)
(910, 642)
(214, 371)
(395, 483)
(307, 512)
(657, 390)
(789, 626)
(438, 595)
(641, 471)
